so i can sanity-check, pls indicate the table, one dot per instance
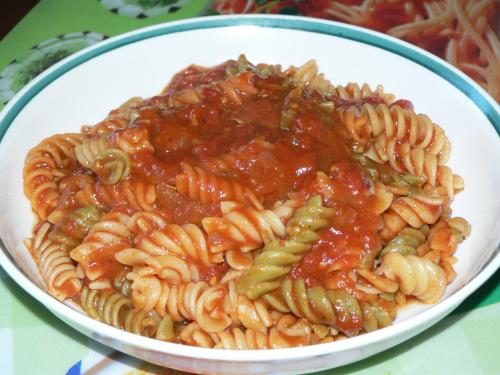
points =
(33, 341)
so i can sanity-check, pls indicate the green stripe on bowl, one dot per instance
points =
(421, 57)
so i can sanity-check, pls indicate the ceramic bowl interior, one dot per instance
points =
(83, 88)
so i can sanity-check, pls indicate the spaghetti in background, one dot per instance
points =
(463, 32)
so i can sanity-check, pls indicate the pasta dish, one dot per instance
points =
(248, 207)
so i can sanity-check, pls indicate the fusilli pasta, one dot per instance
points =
(416, 276)
(248, 207)
(114, 309)
(198, 184)
(55, 265)
(45, 165)
(277, 256)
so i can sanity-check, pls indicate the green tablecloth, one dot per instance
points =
(33, 341)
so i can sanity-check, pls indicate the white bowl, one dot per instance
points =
(84, 87)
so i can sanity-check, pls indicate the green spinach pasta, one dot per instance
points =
(248, 207)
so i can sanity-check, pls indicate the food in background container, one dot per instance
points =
(40, 57)
(143, 8)
(464, 33)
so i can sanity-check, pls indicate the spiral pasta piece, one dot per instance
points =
(56, 267)
(117, 119)
(253, 315)
(109, 164)
(151, 293)
(114, 309)
(416, 211)
(236, 338)
(400, 124)
(406, 242)
(415, 161)
(170, 268)
(239, 260)
(285, 209)
(336, 308)
(289, 331)
(383, 198)
(442, 242)
(186, 240)
(44, 166)
(137, 194)
(106, 238)
(132, 140)
(269, 266)
(453, 183)
(307, 75)
(446, 235)
(308, 219)
(103, 306)
(353, 91)
(71, 230)
(87, 151)
(376, 316)
(378, 283)
(144, 222)
(392, 225)
(416, 276)
(197, 184)
(197, 301)
(241, 227)
(403, 158)
(121, 283)
(277, 257)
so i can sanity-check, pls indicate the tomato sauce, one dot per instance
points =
(196, 133)
(352, 239)
(102, 262)
(266, 157)
(244, 139)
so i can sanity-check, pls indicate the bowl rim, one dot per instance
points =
(476, 94)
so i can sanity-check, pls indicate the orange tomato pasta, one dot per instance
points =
(248, 207)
